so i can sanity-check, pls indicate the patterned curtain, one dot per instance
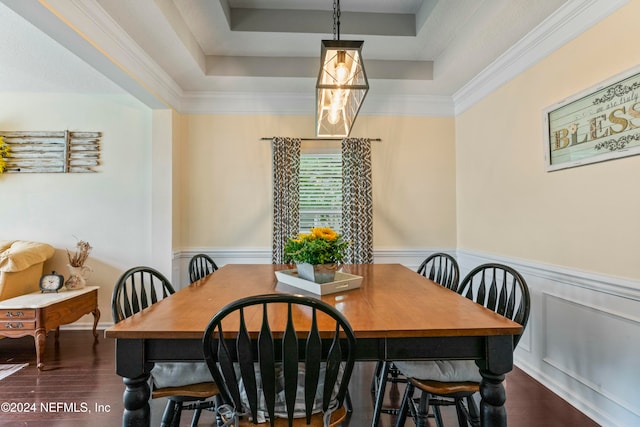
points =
(357, 200)
(286, 195)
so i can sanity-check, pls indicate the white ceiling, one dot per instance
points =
(33, 62)
(208, 55)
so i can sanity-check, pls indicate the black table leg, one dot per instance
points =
(136, 402)
(133, 369)
(498, 361)
(492, 411)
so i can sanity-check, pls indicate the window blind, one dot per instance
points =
(320, 191)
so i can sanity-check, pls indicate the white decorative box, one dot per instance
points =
(343, 282)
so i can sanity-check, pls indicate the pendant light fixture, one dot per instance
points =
(342, 83)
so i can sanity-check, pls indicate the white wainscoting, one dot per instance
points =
(583, 336)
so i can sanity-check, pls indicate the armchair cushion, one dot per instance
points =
(18, 255)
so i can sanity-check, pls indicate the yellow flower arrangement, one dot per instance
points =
(4, 151)
(321, 246)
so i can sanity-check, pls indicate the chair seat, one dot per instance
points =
(177, 374)
(280, 405)
(195, 391)
(337, 417)
(441, 370)
(446, 388)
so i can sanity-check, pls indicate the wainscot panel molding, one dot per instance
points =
(583, 336)
(597, 373)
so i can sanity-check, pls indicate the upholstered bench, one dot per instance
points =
(21, 265)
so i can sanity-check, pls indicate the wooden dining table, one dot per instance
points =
(396, 314)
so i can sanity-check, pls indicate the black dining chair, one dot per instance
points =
(201, 265)
(139, 288)
(499, 288)
(443, 269)
(295, 377)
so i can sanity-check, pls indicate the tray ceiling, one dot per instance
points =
(181, 52)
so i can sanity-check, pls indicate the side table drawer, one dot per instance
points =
(15, 325)
(17, 314)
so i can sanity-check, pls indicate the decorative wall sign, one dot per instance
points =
(63, 151)
(598, 124)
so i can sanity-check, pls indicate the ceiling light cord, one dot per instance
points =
(336, 19)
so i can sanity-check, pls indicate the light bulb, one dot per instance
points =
(337, 98)
(341, 70)
(334, 115)
(342, 73)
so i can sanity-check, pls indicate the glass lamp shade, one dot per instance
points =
(341, 87)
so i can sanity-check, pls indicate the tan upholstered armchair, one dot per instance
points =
(21, 265)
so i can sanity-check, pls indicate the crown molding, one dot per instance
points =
(92, 23)
(568, 22)
(85, 29)
(96, 26)
(124, 62)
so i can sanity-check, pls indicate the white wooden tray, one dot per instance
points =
(343, 282)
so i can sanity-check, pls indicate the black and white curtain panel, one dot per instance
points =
(286, 195)
(357, 200)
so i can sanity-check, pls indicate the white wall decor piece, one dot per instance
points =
(600, 123)
(58, 151)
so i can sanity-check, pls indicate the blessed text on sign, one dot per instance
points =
(598, 124)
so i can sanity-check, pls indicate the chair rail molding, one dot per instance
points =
(409, 257)
(618, 286)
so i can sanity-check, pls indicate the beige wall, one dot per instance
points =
(227, 179)
(179, 145)
(583, 218)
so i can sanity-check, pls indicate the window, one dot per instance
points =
(320, 191)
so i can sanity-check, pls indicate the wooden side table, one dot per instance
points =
(38, 313)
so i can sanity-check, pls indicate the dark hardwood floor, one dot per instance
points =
(79, 387)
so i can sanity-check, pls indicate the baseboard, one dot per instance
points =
(87, 326)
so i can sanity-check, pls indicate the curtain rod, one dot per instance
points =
(320, 139)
